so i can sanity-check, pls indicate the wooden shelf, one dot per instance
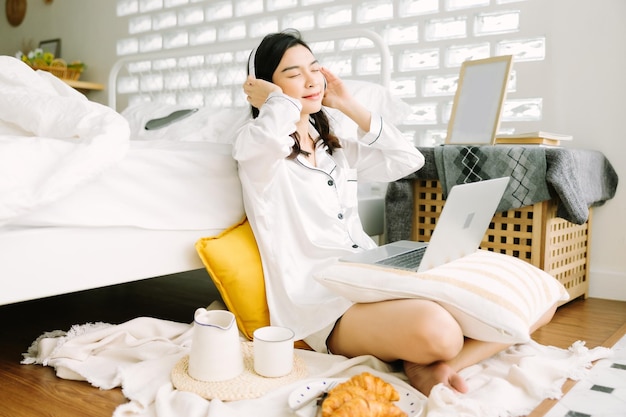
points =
(83, 85)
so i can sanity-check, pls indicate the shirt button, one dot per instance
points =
(340, 216)
(355, 246)
(330, 182)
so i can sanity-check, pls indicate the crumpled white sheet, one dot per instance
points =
(52, 139)
(138, 356)
(515, 381)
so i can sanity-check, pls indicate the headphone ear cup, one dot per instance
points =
(251, 70)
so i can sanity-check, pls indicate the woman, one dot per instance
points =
(300, 195)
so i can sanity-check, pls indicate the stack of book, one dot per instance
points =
(533, 138)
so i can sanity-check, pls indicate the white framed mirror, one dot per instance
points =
(477, 105)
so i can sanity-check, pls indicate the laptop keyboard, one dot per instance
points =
(407, 260)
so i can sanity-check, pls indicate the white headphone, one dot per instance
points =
(251, 63)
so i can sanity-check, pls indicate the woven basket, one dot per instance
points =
(59, 68)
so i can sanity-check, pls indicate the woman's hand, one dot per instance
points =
(258, 90)
(336, 95)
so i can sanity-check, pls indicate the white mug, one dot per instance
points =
(273, 351)
(215, 348)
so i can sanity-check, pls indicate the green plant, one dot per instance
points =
(37, 58)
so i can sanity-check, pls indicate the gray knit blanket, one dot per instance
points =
(576, 178)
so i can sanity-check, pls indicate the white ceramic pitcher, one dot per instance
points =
(216, 349)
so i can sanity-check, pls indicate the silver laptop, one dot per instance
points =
(465, 217)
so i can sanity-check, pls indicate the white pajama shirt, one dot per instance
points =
(305, 217)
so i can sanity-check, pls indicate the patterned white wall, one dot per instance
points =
(428, 39)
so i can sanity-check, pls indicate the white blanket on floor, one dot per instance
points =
(139, 355)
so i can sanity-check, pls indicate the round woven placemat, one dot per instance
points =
(247, 385)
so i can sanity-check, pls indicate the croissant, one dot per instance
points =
(360, 407)
(343, 394)
(381, 388)
(363, 395)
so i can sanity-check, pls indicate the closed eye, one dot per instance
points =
(314, 66)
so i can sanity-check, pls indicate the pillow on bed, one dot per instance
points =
(204, 124)
(494, 297)
(219, 124)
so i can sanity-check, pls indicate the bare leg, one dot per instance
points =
(419, 332)
(425, 377)
(408, 329)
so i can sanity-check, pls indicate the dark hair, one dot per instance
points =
(266, 57)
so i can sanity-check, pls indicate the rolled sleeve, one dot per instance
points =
(376, 129)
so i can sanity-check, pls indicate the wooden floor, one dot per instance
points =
(32, 390)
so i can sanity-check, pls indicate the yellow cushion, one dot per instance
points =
(232, 260)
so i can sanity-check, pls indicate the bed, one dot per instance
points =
(90, 198)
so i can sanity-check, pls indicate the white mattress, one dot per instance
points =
(158, 185)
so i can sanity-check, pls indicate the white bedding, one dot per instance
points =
(65, 161)
(52, 139)
(82, 205)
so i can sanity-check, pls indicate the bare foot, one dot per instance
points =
(425, 377)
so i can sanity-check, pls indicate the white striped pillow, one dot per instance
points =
(494, 297)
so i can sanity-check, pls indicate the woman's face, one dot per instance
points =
(299, 76)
